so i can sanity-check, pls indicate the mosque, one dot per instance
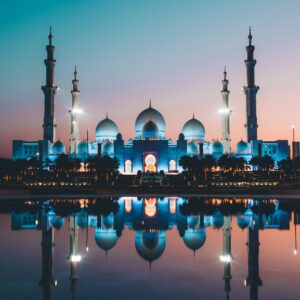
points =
(150, 150)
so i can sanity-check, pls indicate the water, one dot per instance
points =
(149, 248)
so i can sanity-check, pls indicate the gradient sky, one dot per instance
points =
(129, 51)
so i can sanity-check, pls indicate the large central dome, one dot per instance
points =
(150, 114)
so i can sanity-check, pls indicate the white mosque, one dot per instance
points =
(150, 150)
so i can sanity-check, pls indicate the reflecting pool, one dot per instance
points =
(150, 248)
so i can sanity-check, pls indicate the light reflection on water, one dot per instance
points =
(147, 248)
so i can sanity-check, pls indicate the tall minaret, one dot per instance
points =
(47, 281)
(253, 279)
(250, 91)
(227, 256)
(49, 90)
(74, 257)
(225, 115)
(74, 114)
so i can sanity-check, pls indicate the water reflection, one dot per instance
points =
(150, 218)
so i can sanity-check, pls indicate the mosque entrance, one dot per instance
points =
(150, 163)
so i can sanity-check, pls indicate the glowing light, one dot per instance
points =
(77, 111)
(295, 251)
(75, 258)
(224, 111)
(87, 249)
(225, 258)
(292, 126)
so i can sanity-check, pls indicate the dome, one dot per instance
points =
(193, 222)
(218, 220)
(243, 221)
(58, 147)
(106, 239)
(241, 147)
(153, 115)
(82, 147)
(106, 130)
(82, 219)
(193, 129)
(150, 245)
(57, 222)
(194, 239)
(107, 148)
(193, 148)
(150, 131)
(217, 147)
(108, 221)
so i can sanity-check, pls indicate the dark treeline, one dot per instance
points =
(234, 168)
(104, 169)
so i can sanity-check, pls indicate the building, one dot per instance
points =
(151, 150)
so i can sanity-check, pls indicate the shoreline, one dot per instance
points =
(291, 192)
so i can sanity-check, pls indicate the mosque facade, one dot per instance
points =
(150, 150)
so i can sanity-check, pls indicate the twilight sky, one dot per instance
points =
(129, 51)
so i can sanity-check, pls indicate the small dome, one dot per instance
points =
(107, 148)
(150, 245)
(181, 136)
(82, 148)
(82, 219)
(193, 148)
(241, 147)
(193, 129)
(194, 239)
(150, 114)
(58, 147)
(106, 239)
(57, 222)
(217, 147)
(106, 130)
(218, 220)
(243, 221)
(119, 136)
(108, 221)
(193, 222)
(150, 131)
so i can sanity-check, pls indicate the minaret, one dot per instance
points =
(47, 281)
(227, 256)
(253, 280)
(49, 91)
(225, 115)
(74, 257)
(250, 91)
(74, 114)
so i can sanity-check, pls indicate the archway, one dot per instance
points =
(172, 165)
(128, 166)
(150, 163)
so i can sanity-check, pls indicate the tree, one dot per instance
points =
(6, 168)
(106, 167)
(63, 163)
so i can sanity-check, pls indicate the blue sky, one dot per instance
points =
(129, 51)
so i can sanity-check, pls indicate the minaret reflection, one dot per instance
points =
(47, 281)
(226, 257)
(253, 280)
(74, 257)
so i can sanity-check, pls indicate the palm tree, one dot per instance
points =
(106, 167)
(6, 168)
(184, 162)
(35, 165)
(20, 167)
(63, 164)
